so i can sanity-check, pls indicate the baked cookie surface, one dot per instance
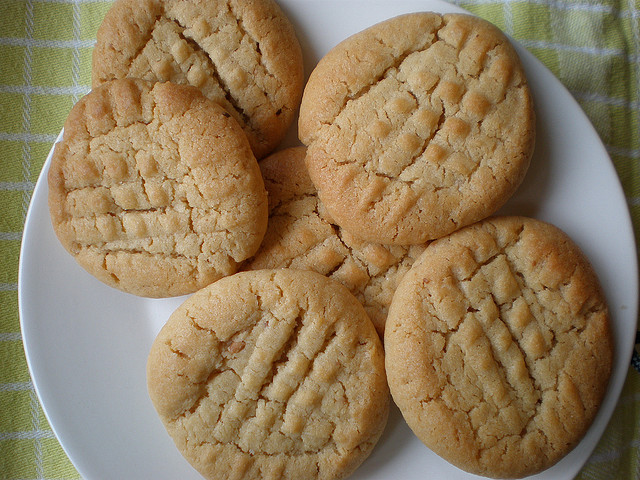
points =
(270, 374)
(301, 235)
(498, 348)
(242, 54)
(154, 188)
(417, 126)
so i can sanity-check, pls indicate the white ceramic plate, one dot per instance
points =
(87, 344)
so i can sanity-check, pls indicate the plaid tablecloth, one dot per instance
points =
(592, 46)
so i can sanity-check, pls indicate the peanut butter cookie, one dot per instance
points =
(270, 374)
(301, 235)
(498, 347)
(417, 126)
(244, 54)
(154, 189)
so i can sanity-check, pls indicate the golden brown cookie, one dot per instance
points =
(243, 54)
(154, 188)
(498, 348)
(301, 235)
(417, 126)
(270, 374)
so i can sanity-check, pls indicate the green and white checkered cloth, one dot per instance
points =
(592, 46)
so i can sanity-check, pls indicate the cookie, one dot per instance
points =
(270, 374)
(498, 347)
(301, 235)
(154, 188)
(242, 54)
(417, 126)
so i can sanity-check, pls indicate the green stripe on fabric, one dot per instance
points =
(634, 209)
(618, 30)
(39, 153)
(19, 461)
(622, 121)
(623, 83)
(11, 108)
(579, 28)
(11, 220)
(84, 77)
(45, 72)
(91, 15)
(14, 10)
(612, 121)
(614, 457)
(9, 252)
(49, 112)
(584, 71)
(494, 12)
(17, 419)
(11, 170)
(628, 169)
(548, 57)
(11, 55)
(55, 463)
(537, 28)
(12, 173)
(9, 320)
(52, 21)
(14, 364)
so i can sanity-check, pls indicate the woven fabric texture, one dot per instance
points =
(592, 46)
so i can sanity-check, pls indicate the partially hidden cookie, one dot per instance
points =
(301, 235)
(270, 374)
(243, 54)
(154, 188)
(498, 347)
(417, 126)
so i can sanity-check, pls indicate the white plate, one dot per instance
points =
(87, 344)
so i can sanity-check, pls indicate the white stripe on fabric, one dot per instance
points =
(605, 52)
(564, 6)
(508, 18)
(26, 198)
(636, 40)
(26, 106)
(28, 42)
(9, 237)
(612, 454)
(75, 60)
(627, 399)
(17, 186)
(623, 152)
(39, 90)
(32, 435)
(11, 337)
(16, 387)
(38, 434)
(598, 98)
(28, 137)
(73, 1)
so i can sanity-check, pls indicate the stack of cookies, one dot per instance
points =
(325, 276)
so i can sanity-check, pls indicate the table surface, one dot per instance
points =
(592, 46)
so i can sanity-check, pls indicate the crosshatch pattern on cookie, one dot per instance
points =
(509, 347)
(156, 186)
(421, 119)
(244, 55)
(301, 235)
(283, 379)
